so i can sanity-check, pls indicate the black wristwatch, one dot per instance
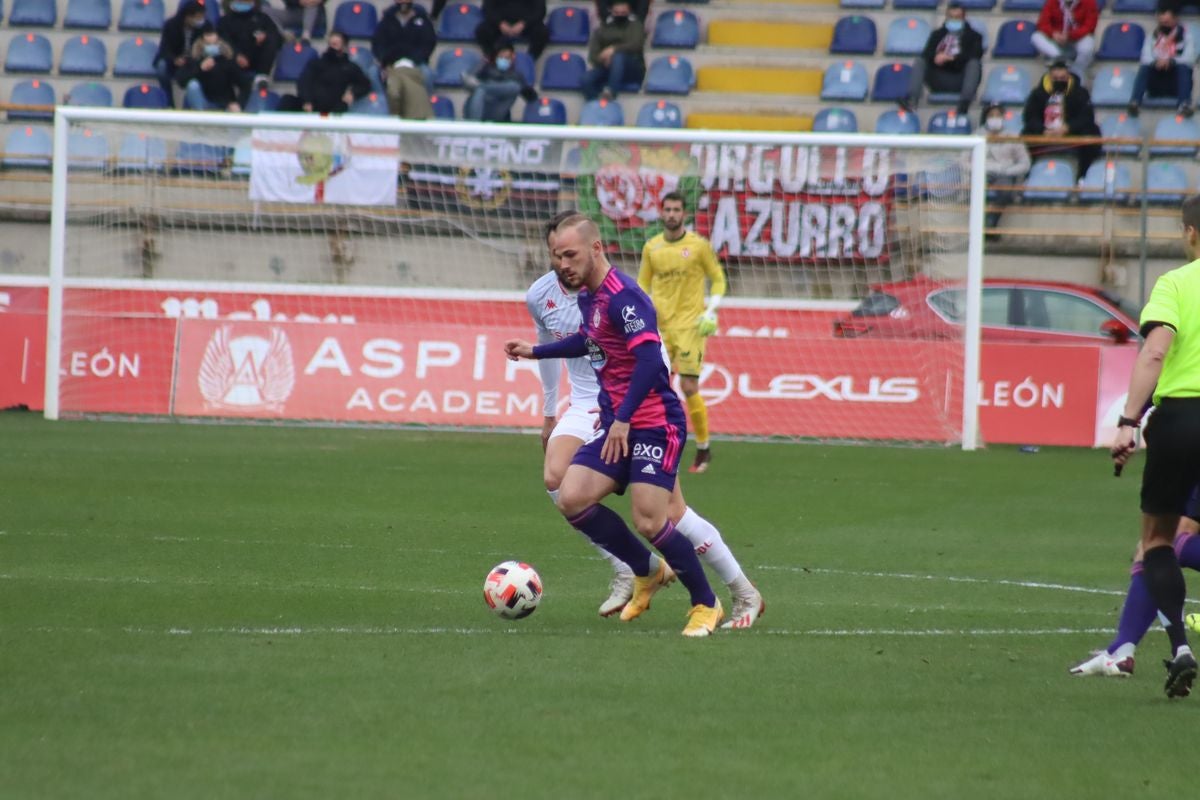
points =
(1127, 422)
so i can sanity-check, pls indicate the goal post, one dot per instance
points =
(365, 269)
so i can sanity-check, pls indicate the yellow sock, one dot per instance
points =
(699, 414)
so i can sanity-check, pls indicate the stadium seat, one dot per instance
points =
(1015, 40)
(145, 95)
(906, 37)
(659, 114)
(1105, 181)
(854, 35)
(34, 92)
(1011, 6)
(1050, 179)
(1013, 122)
(1175, 128)
(87, 149)
(603, 113)
(1113, 86)
(1007, 84)
(141, 15)
(545, 111)
(212, 10)
(525, 68)
(89, 94)
(372, 103)
(891, 83)
(94, 14)
(910, 4)
(200, 158)
(451, 65)
(898, 121)
(1121, 126)
(135, 58)
(1166, 182)
(84, 55)
(33, 14)
(864, 4)
(676, 29)
(569, 25)
(262, 99)
(356, 18)
(980, 27)
(443, 107)
(28, 53)
(563, 71)
(139, 152)
(846, 80)
(293, 58)
(458, 23)
(361, 55)
(28, 146)
(1122, 41)
(946, 122)
(1135, 6)
(835, 120)
(978, 5)
(670, 75)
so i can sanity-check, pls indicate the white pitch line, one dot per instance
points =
(914, 576)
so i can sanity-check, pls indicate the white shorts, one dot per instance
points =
(577, 422)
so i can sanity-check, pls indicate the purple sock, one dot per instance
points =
(1187, 548)
(606, 528)
(680, 554)
(1139, 612)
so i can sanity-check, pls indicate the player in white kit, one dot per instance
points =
(556, 315)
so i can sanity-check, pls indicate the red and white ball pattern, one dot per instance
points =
(512, 590)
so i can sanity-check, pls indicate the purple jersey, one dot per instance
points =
(615, 319)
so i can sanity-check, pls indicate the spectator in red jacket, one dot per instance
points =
(1066, 30)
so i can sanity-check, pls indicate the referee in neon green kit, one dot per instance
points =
(1168, 367)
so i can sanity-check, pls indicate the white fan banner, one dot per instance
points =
(315, 167)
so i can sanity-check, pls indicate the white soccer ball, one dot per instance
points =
(512, 589)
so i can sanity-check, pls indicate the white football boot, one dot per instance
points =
(746, 611)
(1104, 665)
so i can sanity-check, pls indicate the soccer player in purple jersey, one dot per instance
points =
(641, 434)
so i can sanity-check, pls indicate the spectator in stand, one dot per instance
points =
(951, 62)
(1060, 106)
(640, 7)
(1007, 163)
(494, 87)
(301, 14)
(1166, 70)
(329, 84)
(211, 79)
(507, 20)
(178, 35)
(615, 53)
(1067, 29)
(402, 44)
(254, 36)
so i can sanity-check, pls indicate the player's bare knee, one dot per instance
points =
(552, 480)
(649, 525)
(572, 502)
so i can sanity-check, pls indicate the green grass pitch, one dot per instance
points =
(194, 611)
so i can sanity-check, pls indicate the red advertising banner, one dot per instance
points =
(1038, 394)
(22, 359)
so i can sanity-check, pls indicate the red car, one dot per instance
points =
(1014, 310)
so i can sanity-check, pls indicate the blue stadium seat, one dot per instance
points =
(1113, 85)
(1105, 181)
(1121, 126)
(604, 113)
(1015, 40)
(659, 114)
(443, 107)
(200, 158)
(28, 53)
(212, 10)
(910, 4)
(563, 71)
(1013, 122)
(33, 14)
(141, 15)
(1166, 182)
(978, 5)
(864, 4)
(980, 27)
(676, 29)
(145, 95)
(34, 92)
(371, 103)
(84, 55)
(89, 94)
(846, 80)
(835, 120)
(1135, 6)
(293, 58)
(855, 35)
(947, 122)
(141, 153)
(356, 18)
(670, 75)
(458, 23)
(361, 55)
(569, 25)
(28, 146)
(1122, 41)
(906, 37)
(451, 65)
(1178, 128)
(898, 121)
(87, 149)
(1007, 84)
(135, 58)
(262, 99)
(1011, 6)
(1050, 179)
(545, 111)
(94, 14)
(891, 83)
(525, 68)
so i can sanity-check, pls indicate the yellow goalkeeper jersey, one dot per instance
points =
(673, 274)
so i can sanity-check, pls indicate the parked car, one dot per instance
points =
(1013, 311)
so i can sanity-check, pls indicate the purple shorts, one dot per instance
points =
(653, 456)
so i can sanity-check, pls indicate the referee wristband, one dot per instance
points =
(1127, 422)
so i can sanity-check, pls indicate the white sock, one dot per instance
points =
(711, 548)
(619, 566)
(1124, 651)
(1183, 648)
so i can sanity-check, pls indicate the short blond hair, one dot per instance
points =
(587, 229)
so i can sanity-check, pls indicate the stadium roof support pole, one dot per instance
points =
(58, 244)
(973, 323)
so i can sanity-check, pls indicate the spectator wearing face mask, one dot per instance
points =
(329, 84)
(178, 35)
(507, 20)
(616, 53)
(210, 78)
(1166, 68)
(254, 36)
(1007, 162)
(640, 8)
(403, 42)
(1066, 29)
(495, 86)
(1060, 106)
(951, 61)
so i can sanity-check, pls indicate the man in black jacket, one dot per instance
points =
(402, 44)
(178, 34)
(254, 36)
(951, 61)
(1060, 106)
(513, 19)
(211, 79)
(329, 84)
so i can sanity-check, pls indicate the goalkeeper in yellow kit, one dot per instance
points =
(675, 265)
